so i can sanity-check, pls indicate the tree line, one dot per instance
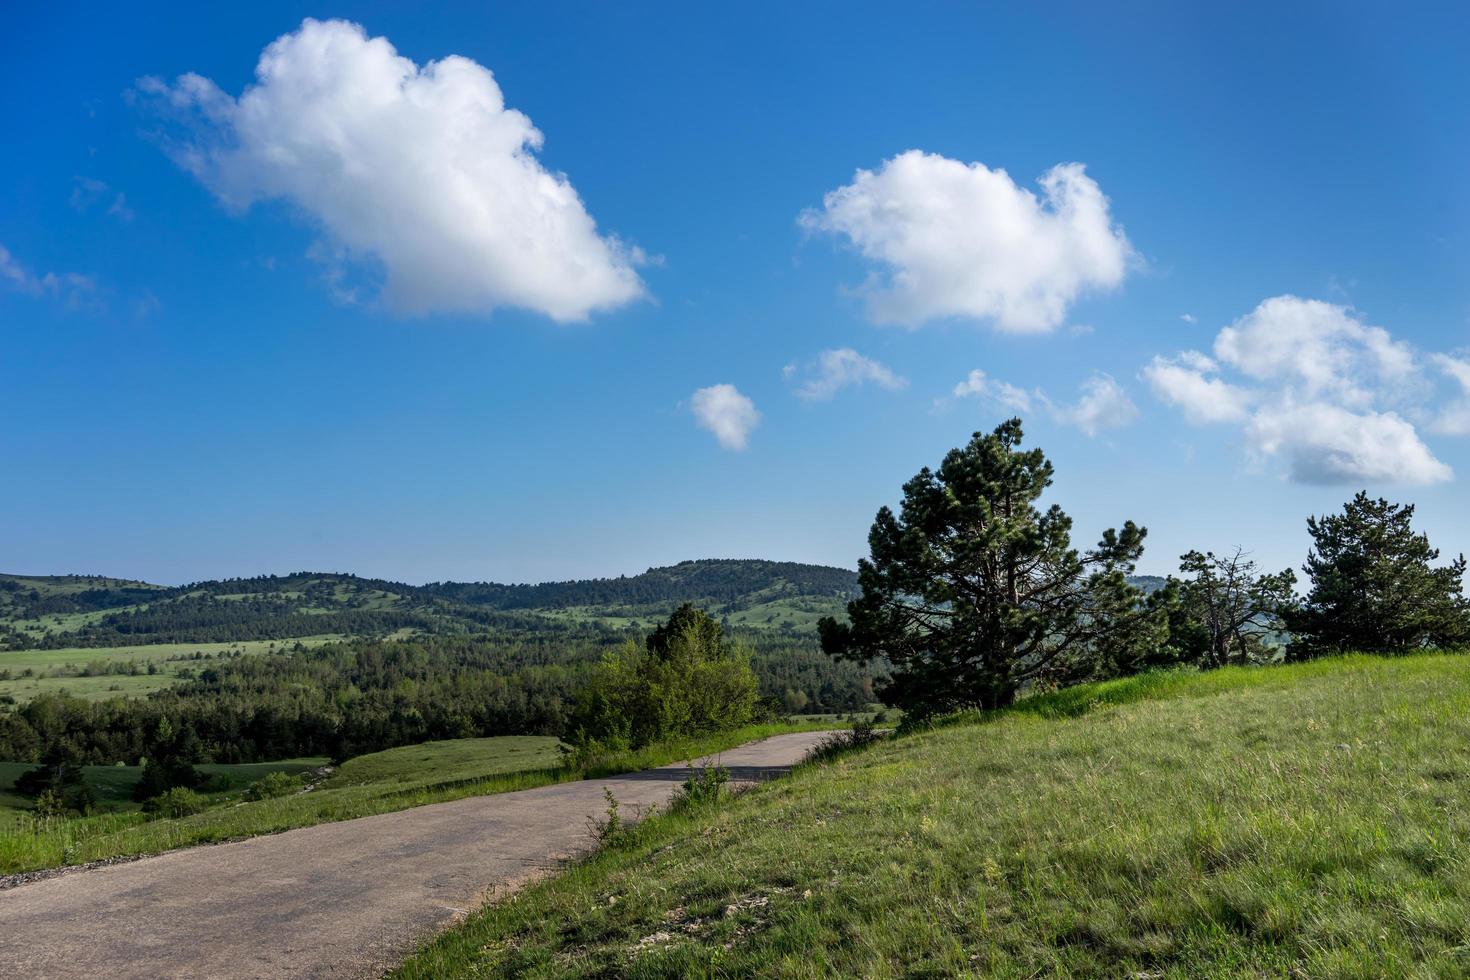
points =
(363, 695)
(973, 594)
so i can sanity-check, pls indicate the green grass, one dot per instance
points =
(442, 762)
(70, 660)
(1307, 820)
(397, 779)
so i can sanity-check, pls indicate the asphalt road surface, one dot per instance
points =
(348, 899)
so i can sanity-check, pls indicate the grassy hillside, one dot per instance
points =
(101, 672)
(76, 611)
(1304, 820)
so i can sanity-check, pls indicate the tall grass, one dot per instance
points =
(1307, 820)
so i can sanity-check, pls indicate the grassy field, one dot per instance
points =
(397, 779)
(1306, 820)
(26, 673)
(797, 613)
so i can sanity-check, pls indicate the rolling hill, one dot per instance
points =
(61, 612)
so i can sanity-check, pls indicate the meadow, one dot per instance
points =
(102, 672)
(1303, 820)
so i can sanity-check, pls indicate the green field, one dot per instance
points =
(1307, 820)
(26, 673)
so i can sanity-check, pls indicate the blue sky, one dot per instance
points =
(321, 326)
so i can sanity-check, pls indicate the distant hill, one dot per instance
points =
(90, 611)
(714, 581)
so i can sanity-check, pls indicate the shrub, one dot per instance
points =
(272, 785)
(702, 788)
(177, 802)
(860, 736)
(610, 827)
(50, 804)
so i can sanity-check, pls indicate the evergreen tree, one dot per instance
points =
(971, 591)
(1227, 611)
(1374, 587)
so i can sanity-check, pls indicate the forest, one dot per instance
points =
(365, 694)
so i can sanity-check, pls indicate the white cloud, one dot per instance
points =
(1103, 404)
(1454, 418)
(88, 191)
(723, 410)
(1008, 396)
(959, 240)
(1182, 381)
(1329, 395)
(421, 172)
(843, 368)
(1188, 317)
(1318, 348)
(74, 290)
(1324, 443)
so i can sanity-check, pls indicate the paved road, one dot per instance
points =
(345, 899)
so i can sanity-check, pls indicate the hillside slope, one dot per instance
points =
(51, 612)
(1304, 820)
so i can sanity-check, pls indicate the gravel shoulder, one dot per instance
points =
(346, 899)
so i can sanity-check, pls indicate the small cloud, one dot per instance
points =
(1188, 318)
(88, 192)
(1103, 404)
(85, 192)
(336, 268)
(842, 368)
(73, 290)
(963, 240)
(1008, 396)
(146, 306)
(1454, 418)
(724, 411)
(119, 208)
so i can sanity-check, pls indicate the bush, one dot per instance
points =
(860, 736)
(702, 788)
(272, 785)
(177, 802)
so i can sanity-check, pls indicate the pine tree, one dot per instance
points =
(971, 591)
(1227, 611)
(1374, 588)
